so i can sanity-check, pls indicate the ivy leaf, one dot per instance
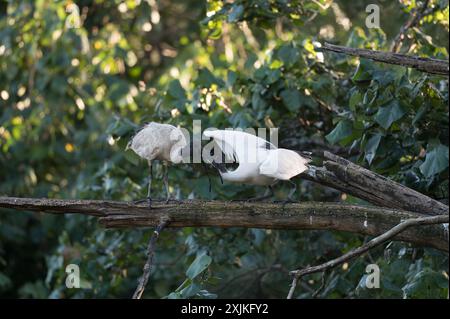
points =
(258, 103)
(422, 284)
(132, 157)
(354, 100)
(176, 95)
(363, 72)
(198, 266)
(190, 291)
(342, 130)
(174, 295)
(420, 113)
(117, 90)
(291, 99)
(231, 78)
(388, 114)
(236, 13)
(371, 147)
(272, 76)
(436, 161)
(288, 54)
(5, 282)
(176, 91)
(206, 78)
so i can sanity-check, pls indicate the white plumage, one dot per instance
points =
(163, 142)
(260, 162)
(283, 164)
(157, 141)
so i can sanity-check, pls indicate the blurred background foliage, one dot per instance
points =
(78, 77)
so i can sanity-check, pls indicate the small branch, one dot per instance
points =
(297, 274)
(148, 264)
(322, 285)
(429, 65)
(413, 20)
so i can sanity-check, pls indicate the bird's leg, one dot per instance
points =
(290, 199)
(293, 190)
(207, 174)
(166, 181)
(219, 169)
(267, 194)
(149, 190)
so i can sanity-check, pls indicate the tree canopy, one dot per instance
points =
(77, 78)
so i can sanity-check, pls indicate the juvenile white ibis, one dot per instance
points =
(163, 142)
(260, 162)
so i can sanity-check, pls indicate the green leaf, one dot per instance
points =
(236, 13)
(426, 283)
(174, 295)
(288, 54)
(363, 72)
(291, 99)
(198, 266)
(117, 90)
(342, 130)
(177, 95)
(388, 114)
(206, 78)
(420, 113)
(5, 282)
(190, 290)
(436, 161)
(272, 75)
(355, 99)
(231, 78)
(185, 284)
(176, 91)
(258, 236)
(132, 157)
(206, 294)
(371, 147)
(258, 102)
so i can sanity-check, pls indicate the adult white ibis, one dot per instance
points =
(260, 162)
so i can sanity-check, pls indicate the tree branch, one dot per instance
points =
(414, 19)
(360, 182)
(297, 274)
(429, 65)
(148, 264)
(309, 215)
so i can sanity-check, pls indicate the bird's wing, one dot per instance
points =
(238, 145)
(221, 140)
(283, 164)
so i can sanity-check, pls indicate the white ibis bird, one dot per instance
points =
(260, 162)
(163, 142)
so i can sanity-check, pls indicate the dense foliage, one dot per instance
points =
(78, 77)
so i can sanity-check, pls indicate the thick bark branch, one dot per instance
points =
(309, 216)
(428, 65)
(355, 180)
